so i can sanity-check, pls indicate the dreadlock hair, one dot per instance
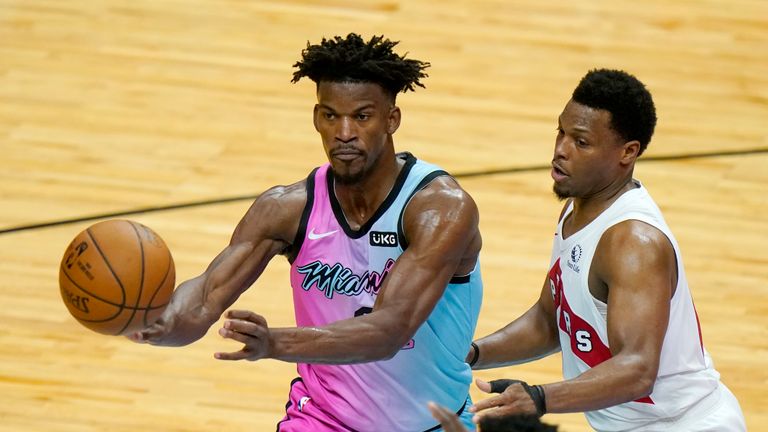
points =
(633, 114)
(351, 59)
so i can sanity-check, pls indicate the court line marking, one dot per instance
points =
(468, 174)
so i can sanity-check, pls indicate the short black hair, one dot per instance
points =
(515, 423)
(351, 59)
(633, 114)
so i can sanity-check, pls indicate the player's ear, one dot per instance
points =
(315, 113)
(393, 121)
(630, 152)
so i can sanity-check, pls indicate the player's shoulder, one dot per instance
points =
(636, 241)
(443, 192)
(634, 231)
(442, 204)
(285, 193)
(276, 211)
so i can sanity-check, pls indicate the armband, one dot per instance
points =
(476, 356)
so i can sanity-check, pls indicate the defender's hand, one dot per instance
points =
(251, 330)
(514, 399)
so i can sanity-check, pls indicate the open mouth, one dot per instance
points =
(557, 173)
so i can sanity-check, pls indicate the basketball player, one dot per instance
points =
(616, 300)
(384, 263)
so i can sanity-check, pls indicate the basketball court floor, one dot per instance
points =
(176, 114)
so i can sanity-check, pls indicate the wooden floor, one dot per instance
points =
(109, 106)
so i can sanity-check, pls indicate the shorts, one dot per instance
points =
(301, 415)
(718, 412)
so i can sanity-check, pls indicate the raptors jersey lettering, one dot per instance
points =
(337, 273)
(686, 374)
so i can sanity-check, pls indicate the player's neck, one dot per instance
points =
(586, 209)
(361, 199)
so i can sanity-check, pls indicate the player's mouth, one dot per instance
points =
(346, 155)
(558, 174)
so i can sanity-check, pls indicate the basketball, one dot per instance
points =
(116, 277)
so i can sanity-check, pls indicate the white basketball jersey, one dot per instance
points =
(686, 374)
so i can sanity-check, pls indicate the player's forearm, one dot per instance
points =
(201, 301)
(615, 381)
(186, 319)
(343, 342)
(528, 338)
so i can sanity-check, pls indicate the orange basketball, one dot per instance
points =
(116, 277)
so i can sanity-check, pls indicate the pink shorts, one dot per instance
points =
(302, 415)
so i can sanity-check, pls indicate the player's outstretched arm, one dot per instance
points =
(531, 336)
(637, 264)
(441, 224)
(266, 229)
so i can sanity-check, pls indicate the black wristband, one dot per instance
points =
(476, 356)
(499, 385)
(540, 400)
(536, 392)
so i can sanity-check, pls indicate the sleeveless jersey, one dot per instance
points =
(337, 273)
(685, 375)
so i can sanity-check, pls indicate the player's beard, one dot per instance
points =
(348, 178)
(349, 175)
(561, 193)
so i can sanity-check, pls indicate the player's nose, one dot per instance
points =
(345, 130)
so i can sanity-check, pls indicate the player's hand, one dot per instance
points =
(162, 332)
(448, 420)
(152, 334)
(513, 399)
(173, 328)
(248, 328)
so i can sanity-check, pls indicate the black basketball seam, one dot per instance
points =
(103, 300)
(119, 311)
(157, 290)
(122, 310)
(109, 266)
(141, 280)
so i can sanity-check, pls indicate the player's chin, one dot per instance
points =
(561, 191)
(347, 174)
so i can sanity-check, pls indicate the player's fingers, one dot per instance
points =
(499, 412)
(483, 385)
(150, 335)
(491, 402)
(237, 355)
(448, 420)
(245, 327)
(247, 316)
(236, 336)
(500, 385)
(136, 337)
